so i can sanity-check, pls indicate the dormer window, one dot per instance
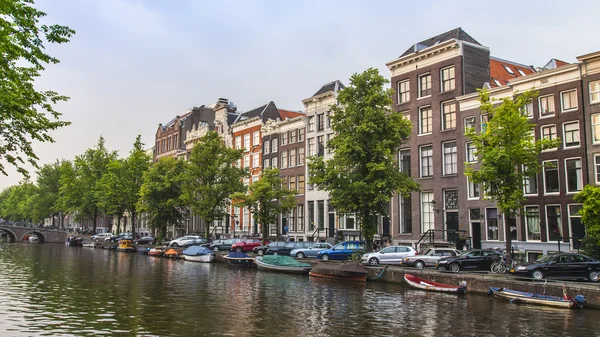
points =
(497, 82)
(508, 69)
(521, 72)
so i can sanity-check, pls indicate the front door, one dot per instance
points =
(452, 226)
(476, 234)
(331, 225)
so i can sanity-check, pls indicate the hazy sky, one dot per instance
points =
(134, 64)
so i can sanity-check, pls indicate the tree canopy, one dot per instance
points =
(363, 174)
(26, 114)
(590, 217)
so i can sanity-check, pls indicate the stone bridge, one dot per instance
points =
(16, 234)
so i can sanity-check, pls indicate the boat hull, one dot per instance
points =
(536, 299)
(423, 284)
(126, 250)
(206, 258)
(74, 243)
(245, 262)
(353, 278)
(286, 269)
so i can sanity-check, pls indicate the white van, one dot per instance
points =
(101, 236)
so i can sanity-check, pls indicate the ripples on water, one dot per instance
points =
(55, 290)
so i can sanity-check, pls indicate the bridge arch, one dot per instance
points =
(39, 234)
(12, 237)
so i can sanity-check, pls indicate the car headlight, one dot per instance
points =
(406, 259)
(442, 262)
(521, 268)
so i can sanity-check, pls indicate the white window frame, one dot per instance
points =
(274, 145)
(266, 147)
(431, 224)
(311, 124)
(238, 142)
(467, 156)
(443, 114)
(596, 168)
(247, 144)
(474, 122)
(523, 168)
(557, 166)
(580, 175)
(255, 138)
(540, 106)
(284, 159)
(594, 92)
(451, 80)
(528, 107)
(469, 196)
(421, 161)
(485, 218)
(255, 160)
(594, 140)
(548, 223)
(562, 104)
(247, 161)
(565, 135)
(421, 133)
(266, 163)
(555, 135)
(284, 138)
(527, 222)
(419, 85)
(401, 93)
(274, 162)
(455, 164)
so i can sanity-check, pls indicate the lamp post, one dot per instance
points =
(237, 223)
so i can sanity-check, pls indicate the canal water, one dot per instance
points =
(51, 289)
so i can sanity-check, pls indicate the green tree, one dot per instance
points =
(111, 191)
(211, 177)
(47, 197)
(363, 174)
(26, 114)
(80, 185)
(161, 194)
(590, 216)
(266, 199)
(18, 202)
(505, 146)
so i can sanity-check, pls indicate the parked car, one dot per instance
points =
(388, 255)
(430, 257)
(561, 265)
(476, 259)
(261, 250)
(101, 236)
(200, 242)
(246, 245)
(184, 241)
(145, 240)
(310, 251)
(209, 243)
(223, 245)
(287, 248)
(341, 251)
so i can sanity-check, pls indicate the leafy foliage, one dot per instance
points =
(363, 174)
(16, 203)
(590, 216)
(211, 177)
(504, 147)
(26, 114)
(160, 195)
(266, 199)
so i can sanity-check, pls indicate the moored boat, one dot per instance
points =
(239, 260)
(420, 283)
(171, 253)
(515, 296)
(198, 254)
(33, 239)
(157, 251)
(88, 244)
(125, 245)
(74, 242)
(282, 263)
(349, 271)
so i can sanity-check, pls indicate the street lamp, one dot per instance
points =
(237, 223)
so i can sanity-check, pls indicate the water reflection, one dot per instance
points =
(55, 290)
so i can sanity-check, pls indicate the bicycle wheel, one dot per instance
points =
(496, 268)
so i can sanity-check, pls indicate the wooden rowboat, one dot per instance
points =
(420, 283)
(349, 271)
(281, 263)
(538, 299)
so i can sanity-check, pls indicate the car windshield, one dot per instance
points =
(388, 250)
(429, 251)
(545, 258)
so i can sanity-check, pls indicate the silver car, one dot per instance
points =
(311, 251)
(388, 255)
(430, 257)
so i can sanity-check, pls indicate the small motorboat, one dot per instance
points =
(239, 260)
(171, 253)
(282, 263)
(515, 296)
(89, 244)
(198, 254)
(74, 242)
(110, 246)
(420, 283)
(125, 245)
(349, 271)
(34, 239)
(158, 251)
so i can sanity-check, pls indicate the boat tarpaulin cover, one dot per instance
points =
(197, 250)
(237, 255)
(281, 260)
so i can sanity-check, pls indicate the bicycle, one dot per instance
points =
(501, 267)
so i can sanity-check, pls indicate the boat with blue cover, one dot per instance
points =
(282, 263)
(198, 254)
(515, 296)
(239, 260)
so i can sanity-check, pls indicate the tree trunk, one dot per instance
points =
(95, 221)
(206, 227)
(133, 225)
(119, 217)
(508, 240)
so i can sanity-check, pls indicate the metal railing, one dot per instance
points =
(452, 235)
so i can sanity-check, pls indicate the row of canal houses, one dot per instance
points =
(435, 83)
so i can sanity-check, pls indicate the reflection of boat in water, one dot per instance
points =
(74, 242)
(239, 260)
(125, 245)
(88, 244)
(198, 254)
(350, 271)
(282, 263)
(420, 283)
(530, 298)
(34, 239)
(157, 251)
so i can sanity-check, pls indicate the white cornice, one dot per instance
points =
(422, 54)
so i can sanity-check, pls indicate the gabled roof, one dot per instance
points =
(334, 86)
(285, 114)
(503, 71)
(554, 63)
(458, 34)
(267, 111)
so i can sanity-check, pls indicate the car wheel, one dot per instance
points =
(325, 257)
(373, 261)
(594, 276)
(260, 252)
(275, 253)
(239, 249)
(174, 244)
(537, 274)
(300, 255)
(216, 249)
(455, 267)
(419, 264)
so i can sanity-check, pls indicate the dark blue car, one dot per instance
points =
(342, 251)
